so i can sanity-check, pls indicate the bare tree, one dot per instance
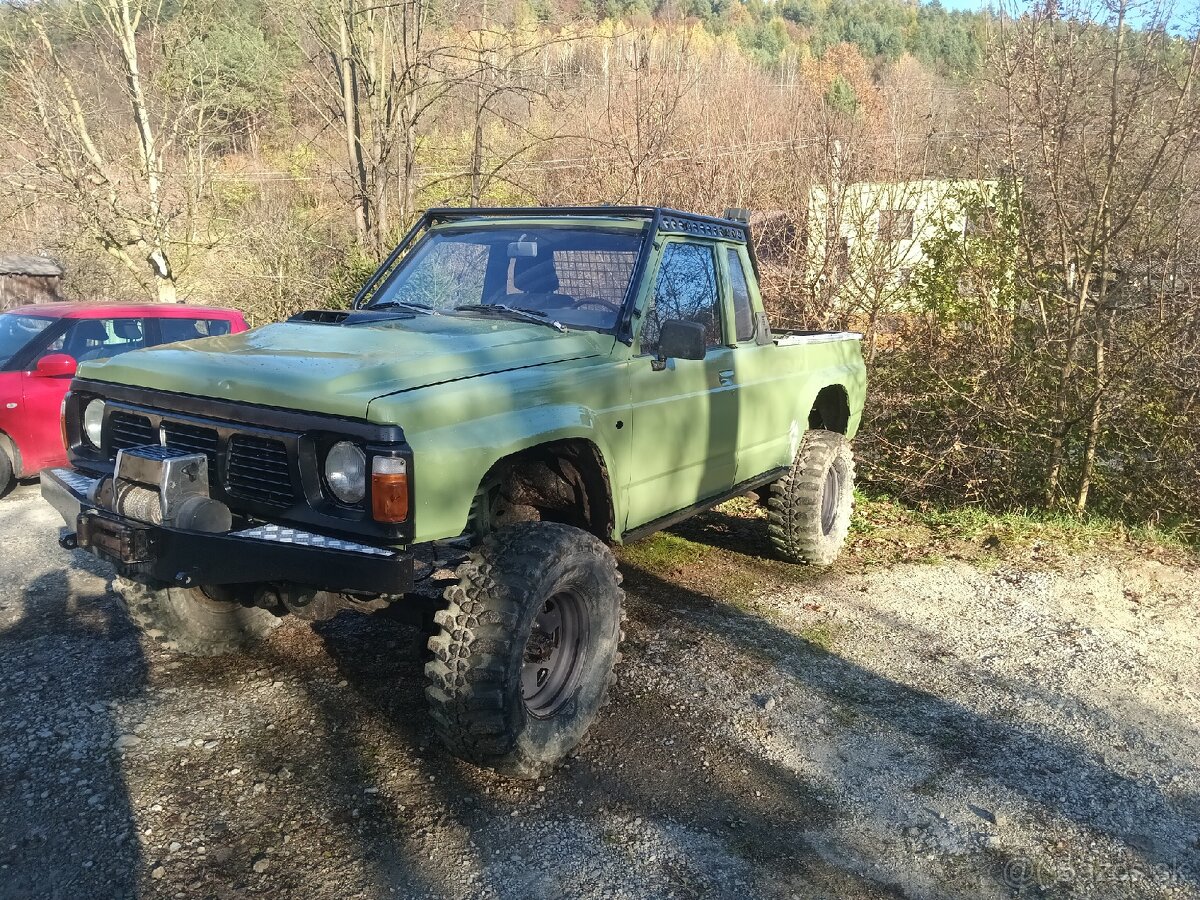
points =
(511, 72)
(386, 69)
(104, 158)
(1098, 121)
(639, 120)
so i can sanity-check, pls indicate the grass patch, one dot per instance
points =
(885, 530)
(664, 553)
(726, 554)
(1066, 531)
(819, 634)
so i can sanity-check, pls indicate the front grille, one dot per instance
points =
(259, 470)
(194, 439)
(255, 468)
(130, 430)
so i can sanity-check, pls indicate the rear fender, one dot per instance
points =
(841, 366)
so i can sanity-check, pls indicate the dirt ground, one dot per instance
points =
(940, 715)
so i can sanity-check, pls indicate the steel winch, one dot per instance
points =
(162, 486)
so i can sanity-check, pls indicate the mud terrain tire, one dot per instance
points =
(525, 650)
(188, 621)
(809, 509)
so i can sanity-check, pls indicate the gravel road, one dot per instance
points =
(1019, 724)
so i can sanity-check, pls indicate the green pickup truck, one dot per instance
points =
(532, 384)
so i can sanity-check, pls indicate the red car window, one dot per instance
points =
(173, 330)
(87, 339)
(17, 332)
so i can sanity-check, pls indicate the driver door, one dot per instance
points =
(684, 417)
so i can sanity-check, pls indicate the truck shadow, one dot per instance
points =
(1054, 777)
(744, 535)
(67, 827)
(585, 808)
(415, 804)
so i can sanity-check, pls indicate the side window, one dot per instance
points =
(743, 315)
(172, 330)
(101, 338)
(686, 289)
(55, 346)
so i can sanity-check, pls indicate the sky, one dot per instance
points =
(1184, 11)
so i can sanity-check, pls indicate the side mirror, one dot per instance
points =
(56, 365)
(680, 340)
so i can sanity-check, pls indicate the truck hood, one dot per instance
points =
(339, 370)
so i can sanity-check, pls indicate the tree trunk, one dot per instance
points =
(164, 276)
(166, 290)
(354, 150)
(1054, 462)
(477, 142)
(1093, 432)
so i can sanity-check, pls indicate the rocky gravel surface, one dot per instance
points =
(1018, 727)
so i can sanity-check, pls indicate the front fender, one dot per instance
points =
(459, 431)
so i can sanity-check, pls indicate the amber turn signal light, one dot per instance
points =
(389, 489)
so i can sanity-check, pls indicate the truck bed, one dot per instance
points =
(790, 338)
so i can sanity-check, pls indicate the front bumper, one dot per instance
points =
(264, 553)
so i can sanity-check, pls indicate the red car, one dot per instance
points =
(40, 346)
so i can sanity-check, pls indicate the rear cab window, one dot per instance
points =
(739, 293)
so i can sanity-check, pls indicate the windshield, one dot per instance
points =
(573, 276)
(17, 331)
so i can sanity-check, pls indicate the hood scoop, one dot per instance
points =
(321, 316)
(348, 317)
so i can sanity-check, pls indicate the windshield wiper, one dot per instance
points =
(403, 304)
(513, 312)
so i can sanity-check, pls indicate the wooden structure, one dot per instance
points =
(27, 278)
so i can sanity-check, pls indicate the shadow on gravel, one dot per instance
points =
(741, 819)
(720, 820)
(67, 827)
(363, 768)
(382, 662)
(1012, 757)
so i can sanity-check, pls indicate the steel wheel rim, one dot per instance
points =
(830, 493)
(554, 654)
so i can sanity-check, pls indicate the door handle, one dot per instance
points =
(725, 377)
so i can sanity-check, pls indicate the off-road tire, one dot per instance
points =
(480, 648)
(808, 523)
(7, 479)
(188, 621)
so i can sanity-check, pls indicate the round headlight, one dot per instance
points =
(93, 421)
(346, 472)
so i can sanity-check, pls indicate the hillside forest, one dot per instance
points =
(1046, 356)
